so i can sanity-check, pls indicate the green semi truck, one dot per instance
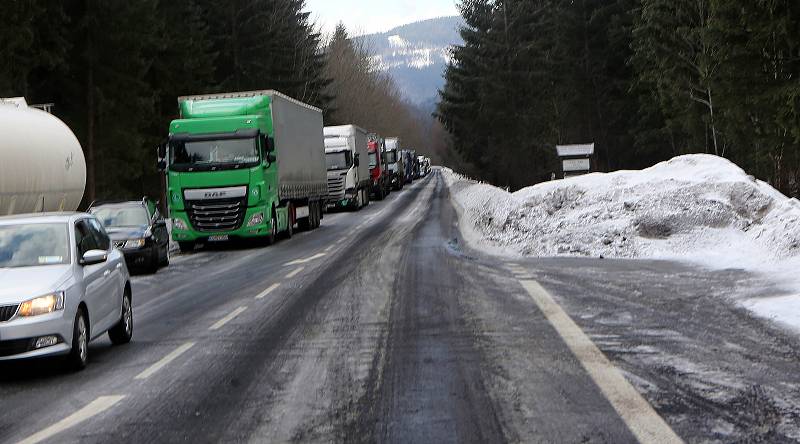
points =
(243, 165)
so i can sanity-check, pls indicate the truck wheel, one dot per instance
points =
(366, 195)
(289, 230)
(186, 247)
(273, 231)
(317, 215)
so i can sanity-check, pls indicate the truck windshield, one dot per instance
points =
(373, 159)
(213, 153)
(32, 245)
(391, 156)
(338, 160)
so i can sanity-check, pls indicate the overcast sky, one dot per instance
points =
(368, 16)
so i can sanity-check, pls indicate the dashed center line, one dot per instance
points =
(303, 261)
(164, 361)
(94, 408)
(269, 290)
(635, 411)
(295, 272)
(221, 323)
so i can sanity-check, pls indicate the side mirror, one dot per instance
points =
(161, 165)
(162, 150)
(355, 160)
(271, 158)
(92, 257)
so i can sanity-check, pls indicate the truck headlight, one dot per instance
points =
(256, 219)
(42, 305)
(134, 243)
(179, 224)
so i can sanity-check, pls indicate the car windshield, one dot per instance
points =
(373, 159)
(122, 216)
(338, 160)
(210, 153)
(391, 156)
(32, 245)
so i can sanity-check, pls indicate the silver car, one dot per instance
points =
(62, 284)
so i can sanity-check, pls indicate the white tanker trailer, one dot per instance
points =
(42, 167)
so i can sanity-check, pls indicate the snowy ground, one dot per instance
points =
(695, 208)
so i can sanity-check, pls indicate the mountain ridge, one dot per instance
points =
(415, 55)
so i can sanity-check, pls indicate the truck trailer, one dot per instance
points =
(348, 170)
(246, 165)
(43, 168)
(395, 162)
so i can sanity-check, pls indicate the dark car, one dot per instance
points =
(138, 230)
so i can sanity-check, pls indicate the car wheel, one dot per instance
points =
(165, 261)
(78, 356)
(123, 331)
(155, 261)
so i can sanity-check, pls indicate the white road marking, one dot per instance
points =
(635, 411)
(94, 408)
(303, 261)
(269, 290)
(330, 247)
(221, 323)
(164, 361)
(295, 272)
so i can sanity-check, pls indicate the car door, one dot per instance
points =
(113, 279)
(93, 279)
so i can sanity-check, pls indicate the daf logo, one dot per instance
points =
(213, 194)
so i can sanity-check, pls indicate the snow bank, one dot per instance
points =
(696, 207)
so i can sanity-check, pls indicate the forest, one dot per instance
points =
(114, 68)
(645, 80)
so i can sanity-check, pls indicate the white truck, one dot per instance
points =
(347, 160)
(394, 158)
(43, 168)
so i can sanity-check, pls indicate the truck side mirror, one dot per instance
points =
(355, 160)
(271, 158)
(161, 151)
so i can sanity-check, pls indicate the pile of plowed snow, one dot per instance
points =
(696, 207)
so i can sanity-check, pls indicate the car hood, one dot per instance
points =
(124, 233)
(20, 284)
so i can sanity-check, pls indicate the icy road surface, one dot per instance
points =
(382, 326)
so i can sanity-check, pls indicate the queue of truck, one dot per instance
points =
(252, 166)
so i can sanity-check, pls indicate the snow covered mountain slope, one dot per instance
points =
(416, 55)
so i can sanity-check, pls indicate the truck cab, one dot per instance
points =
(378, 171)
(348, 177)
(395, 162)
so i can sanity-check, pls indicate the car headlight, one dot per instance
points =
(179, 224)
(134, 243)
(256, 219)
(42, 305)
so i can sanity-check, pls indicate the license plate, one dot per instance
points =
(220, 238)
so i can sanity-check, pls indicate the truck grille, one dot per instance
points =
(7, 312)
(218, 214)
(335, 187)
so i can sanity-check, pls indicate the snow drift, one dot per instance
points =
(697, 207)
